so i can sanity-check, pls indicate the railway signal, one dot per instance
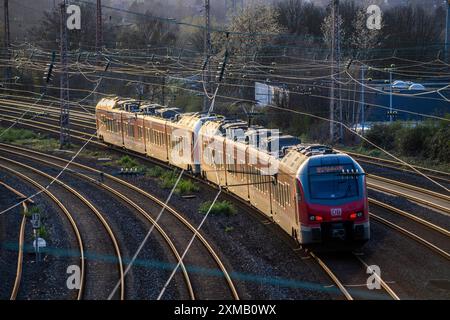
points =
(37, 243)
(49, 74)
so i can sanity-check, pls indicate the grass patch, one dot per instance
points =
(167, 180)
(186, 186)
(28, 138)
(12, 135)
(31, 210)
(228, 229)
(155, 172)
(42, 232)
(220, 207)
(127, 162)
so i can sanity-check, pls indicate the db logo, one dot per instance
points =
(336, 212)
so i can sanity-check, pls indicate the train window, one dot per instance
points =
(259, 180)
(277, 193)
(285, 200)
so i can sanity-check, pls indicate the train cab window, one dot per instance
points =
(328, 182)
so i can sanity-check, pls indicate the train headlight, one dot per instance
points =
(355, 215)
(315, 218)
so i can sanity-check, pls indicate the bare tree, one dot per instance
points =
(327, 27)
(250, 30)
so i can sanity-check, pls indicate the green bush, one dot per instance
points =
(426, 141)
(186, 186)
(42, 232)
(439, 143)
(414, 141)
(127, 162)
(155, 172)
(383, 135)
(168, 179)
(220, 207)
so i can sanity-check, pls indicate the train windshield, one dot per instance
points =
(329, 182)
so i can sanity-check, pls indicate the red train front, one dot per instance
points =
(332, 199)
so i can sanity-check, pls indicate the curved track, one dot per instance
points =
(17, 279)
(91, 238)
(127, 192)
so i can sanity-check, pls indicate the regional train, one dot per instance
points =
(312, 192)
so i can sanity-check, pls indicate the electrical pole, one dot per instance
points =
(207, 51)
(336, 130)
(447, 33)
(98, 39)
(362, 99)
(99, 28)
(390, 95)
(7, 39)
(64, 138)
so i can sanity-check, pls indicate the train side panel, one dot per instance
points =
(180, 148)
(133, 132)
(260, 180)
(237, 177)
(156, 138)
(109, 127)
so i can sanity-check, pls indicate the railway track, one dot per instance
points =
(87, 221)
(349, 274)
(21, 240)
(421, 231)
(86, 116)
(431, 199)
(202, 251)
(434, 174)
(439, 202)
(69, 217)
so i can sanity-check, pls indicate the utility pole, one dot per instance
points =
(64, 138)
(336, 130)
(447, 33)
(207, 51)
(362, 99)
(99, 28)
(390, 95)
(98, 39)
(7, 39)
